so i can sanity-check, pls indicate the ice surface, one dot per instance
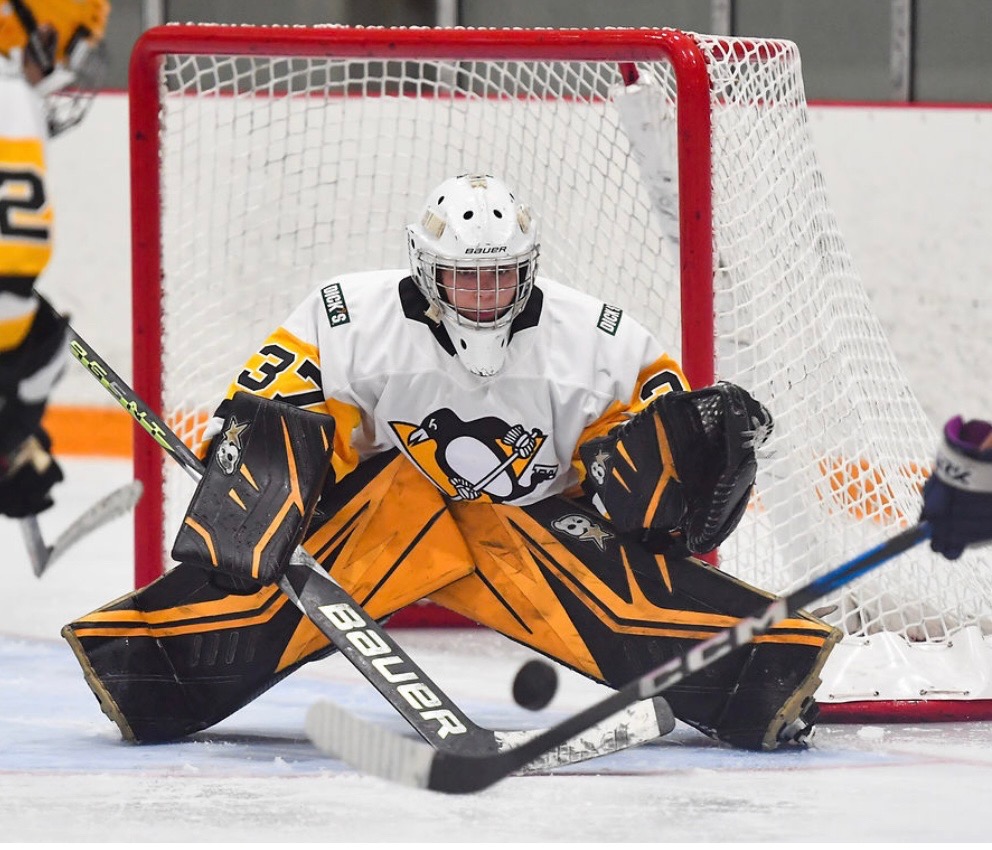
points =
(65, 775)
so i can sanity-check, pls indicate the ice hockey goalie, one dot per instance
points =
(502, 444)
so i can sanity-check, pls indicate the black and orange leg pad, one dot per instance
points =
(183, 653)
(556, 577)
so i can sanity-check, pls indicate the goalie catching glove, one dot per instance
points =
(264, 475)
(957, 498)
(685, 463)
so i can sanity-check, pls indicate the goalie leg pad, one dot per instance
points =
(556, 577)
(759, 716)
(685, 463)
(182, 654)
(263, 477)
(761, 696)
(197, 644)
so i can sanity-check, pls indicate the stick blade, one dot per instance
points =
(378, 751)
(644, 721)
(367, 747)
(110, 507)
(38, 551)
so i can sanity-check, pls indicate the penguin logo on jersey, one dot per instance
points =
(485, 459)
(230, 448)
(581, 527)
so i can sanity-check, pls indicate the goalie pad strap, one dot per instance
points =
(264, 475)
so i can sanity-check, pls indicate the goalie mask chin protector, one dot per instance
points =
(473, 254)
(685, 463)
(264, 475)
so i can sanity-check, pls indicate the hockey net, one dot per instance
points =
(267, 159)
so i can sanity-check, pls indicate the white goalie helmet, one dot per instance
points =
(473, 254)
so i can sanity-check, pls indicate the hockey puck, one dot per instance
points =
(535, 685)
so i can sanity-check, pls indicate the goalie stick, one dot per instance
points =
(363, 641)
(378, 751)
(330, 727)
(114, 504)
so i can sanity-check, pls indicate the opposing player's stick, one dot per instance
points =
(369, 647)
(383, 753)
(114, 504)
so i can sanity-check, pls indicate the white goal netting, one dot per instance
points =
(277, 171)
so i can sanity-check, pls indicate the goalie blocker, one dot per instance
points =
(262, 479)
(189, 649)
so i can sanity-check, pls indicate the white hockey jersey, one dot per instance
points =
(361, 348)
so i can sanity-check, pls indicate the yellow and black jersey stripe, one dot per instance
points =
(25, 234)
(287, 368)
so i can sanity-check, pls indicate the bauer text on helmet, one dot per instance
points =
(473, 254)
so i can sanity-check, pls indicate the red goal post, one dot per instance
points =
(617, 47)
(674, 176)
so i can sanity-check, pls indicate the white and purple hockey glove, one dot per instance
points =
(957, 498)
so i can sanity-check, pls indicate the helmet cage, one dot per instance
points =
(479, 326)
(477, 294)
(68, 50)
(473, 255)
(69, 91)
